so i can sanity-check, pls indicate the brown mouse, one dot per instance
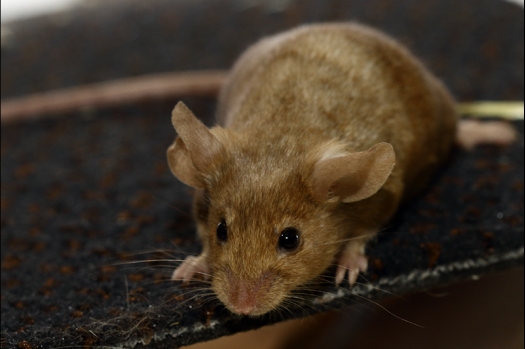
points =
(324, 130)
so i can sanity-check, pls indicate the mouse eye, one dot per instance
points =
(289, 239)
(222, 231)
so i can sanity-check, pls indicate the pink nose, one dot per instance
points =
(244, 300)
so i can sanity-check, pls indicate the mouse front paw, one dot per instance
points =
(352, 260)
(190, 267)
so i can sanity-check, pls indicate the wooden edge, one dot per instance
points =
(111, 93)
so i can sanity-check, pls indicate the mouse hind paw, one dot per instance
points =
(191, 267)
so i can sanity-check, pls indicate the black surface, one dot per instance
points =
(87, 191)
(84, 192)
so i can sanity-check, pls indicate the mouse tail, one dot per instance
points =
(471, 133)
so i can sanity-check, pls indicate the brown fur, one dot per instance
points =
(303, 114)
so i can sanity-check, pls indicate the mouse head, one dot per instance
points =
(273, 223)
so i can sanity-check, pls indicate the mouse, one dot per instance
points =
(323, 130)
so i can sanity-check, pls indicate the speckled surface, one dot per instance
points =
(85, 194)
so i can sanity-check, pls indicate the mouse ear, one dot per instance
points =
(355, 176)
(193, 151)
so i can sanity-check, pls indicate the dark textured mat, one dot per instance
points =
(86, 191)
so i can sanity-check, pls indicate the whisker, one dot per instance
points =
(169, 280)
(210, 298)
(388, 311)
(282, 306)
(379, 289)
(146, 261)
(297, 304)
(152, 251)
(173, 298)
(197, 296)
(349, 239)
(185, 213)
(140, 295)
(329, 279)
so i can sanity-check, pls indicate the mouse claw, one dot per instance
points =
(192, 265)
(352, 261)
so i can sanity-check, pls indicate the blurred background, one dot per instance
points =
(87, 41)
(18, 9)
(15, 10)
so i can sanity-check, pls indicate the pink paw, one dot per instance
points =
(352, 260)
(192, 265)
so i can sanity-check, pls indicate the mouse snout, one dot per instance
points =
(244, 300)
(248, 296)
(245, 295)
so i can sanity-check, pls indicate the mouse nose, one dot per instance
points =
(244, 300)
